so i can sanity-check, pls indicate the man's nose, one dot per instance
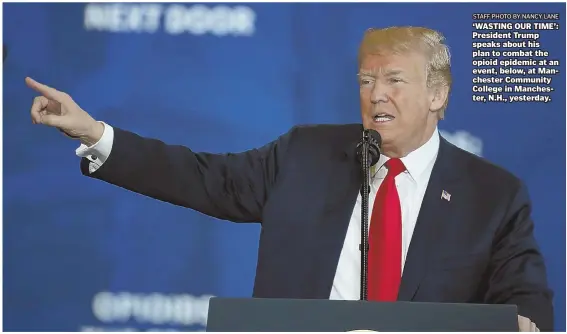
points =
(379, 94)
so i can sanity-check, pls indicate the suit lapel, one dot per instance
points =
(435, 212)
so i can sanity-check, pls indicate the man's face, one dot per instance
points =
(396, 102)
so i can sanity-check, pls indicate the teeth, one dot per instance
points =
(382, 118)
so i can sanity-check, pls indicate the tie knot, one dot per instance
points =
(395, 167)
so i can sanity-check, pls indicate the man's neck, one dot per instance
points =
(392, 151)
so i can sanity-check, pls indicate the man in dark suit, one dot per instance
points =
(446, 226)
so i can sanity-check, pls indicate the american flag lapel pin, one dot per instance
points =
(446, 196)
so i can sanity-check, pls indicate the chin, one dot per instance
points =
(382, 128)
(387, 134)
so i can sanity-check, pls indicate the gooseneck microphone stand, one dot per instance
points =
(368, 152)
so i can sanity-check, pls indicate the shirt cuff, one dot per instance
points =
(99, 152)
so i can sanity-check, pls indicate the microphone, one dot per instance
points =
(375, 141)
(368, 152)
(370, 142)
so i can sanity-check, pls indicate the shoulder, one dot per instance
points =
(306, 135)
(327, 129)
(483, 174)
(318, 141)
(325, 133)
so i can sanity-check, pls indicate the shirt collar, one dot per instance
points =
(418, 160)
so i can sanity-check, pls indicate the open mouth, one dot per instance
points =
(382, 118)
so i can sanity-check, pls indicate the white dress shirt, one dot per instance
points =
(411, 184)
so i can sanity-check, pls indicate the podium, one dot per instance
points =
(320, 315)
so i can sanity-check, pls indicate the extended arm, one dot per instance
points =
(231, 186)
(227, 186)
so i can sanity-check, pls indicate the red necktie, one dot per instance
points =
(385, 239)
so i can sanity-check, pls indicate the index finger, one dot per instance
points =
(50, 93)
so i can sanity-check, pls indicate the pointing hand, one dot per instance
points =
(57, 109)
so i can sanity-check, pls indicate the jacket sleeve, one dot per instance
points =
(517, 273)
(232, 186)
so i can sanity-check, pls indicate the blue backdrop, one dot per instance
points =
(80, 254)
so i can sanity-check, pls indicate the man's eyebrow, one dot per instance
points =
(394, 72)
(384, 72)
(366, 73)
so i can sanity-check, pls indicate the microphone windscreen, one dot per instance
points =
(375, 141)
(375, 136)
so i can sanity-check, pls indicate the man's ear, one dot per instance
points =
(439, 96)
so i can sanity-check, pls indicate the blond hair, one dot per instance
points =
(417, 39)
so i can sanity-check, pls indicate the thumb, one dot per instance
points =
(50, 93)
(51, 120)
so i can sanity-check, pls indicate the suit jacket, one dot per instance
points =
(478, 247)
